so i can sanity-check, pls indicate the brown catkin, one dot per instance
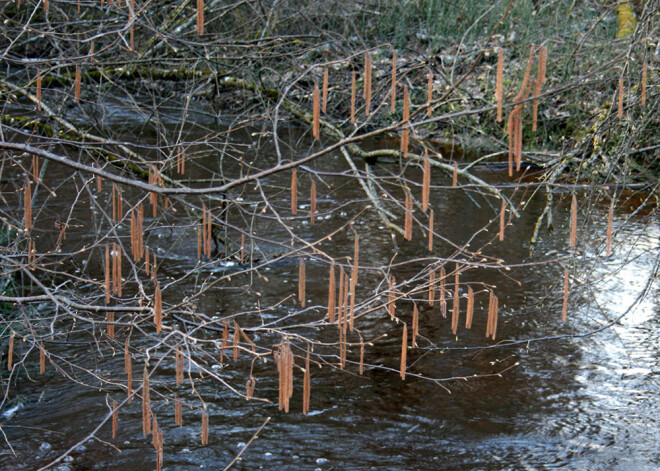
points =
(178, 411)
(391, 301)
(325, 89)
(456, 304)
(284, 361)
(405, 134)
(294, 191)
(620, 107)
(306, 385)
(564, 307)
(115, 418)
(200, 17)
(154, 428)
(415, 326)
(301, 281)
(502, 219)
(426, 181)
(42, 359)
(331, 294)
(644, 73)
(470, 308)
(610, 220)
(393, 91)
(10, 353)
(367, 83)
(235, 341)
(99, 183)
(429, 95)
(431, 288)
(353, 93)
(110, 319)
(454, 178)
(340, 298)
(409, 218)
(316, 113)
(312, 204)
(205, 428)
(431, 231)
(158, 309)
(146, 403)
(38, 89)
(499, 84)
(573, 221)
(178, 373)
(77, 84)
(404, 352)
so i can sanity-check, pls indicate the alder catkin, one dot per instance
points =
(431, 231)
(42, 359)
(77, 84)
(415, 325)
(316, 113)
(408, 217)
(502, 219)
(404, 351)
(393, 91)
(367, 83)
(38, 90)
(499, 84)
(470, 308)
(325, 89)
(306, 385)
(200, 17)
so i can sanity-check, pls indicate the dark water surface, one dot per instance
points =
(572, 403)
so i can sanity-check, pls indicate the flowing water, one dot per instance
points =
(573, 402)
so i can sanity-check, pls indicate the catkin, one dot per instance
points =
(301, 281)
(393, 104)
(205, 428)
(77, 84)
(426, 181)
(10, 353)
(454, 178)
(294, 191)
(110, 319)
(200, 17)
(573, 221)
(429, 95)
(415, 326)
(158, 309)
(499, 84)
(431, 231)
(146, 403)
(405, 134)
(408, 218)
(284, 361)
(107, 274)
(27, 203)
(178, 411)
(325, 89)
(316, 116)
(456, 304)
(42, 359)
(115, 418)
(470, 308)
(644, 73)
(431, 288)
(367, 83)
(353, 92)
(331, 294)
(312, 205)
(502, 219)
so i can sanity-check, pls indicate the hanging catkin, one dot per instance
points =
(205, 428)
(502, 219)
(431, 231)
(38, 90)
(294, 191)
(42, 359)
(456, 303)
(200, 17)
(331, 294)
(77, 84)
(301, 281)
(470, 308)
(393, 91)
(408, 218)
(316, 113)
(325, 90)
(405, 134)
(115, 418)
(158, 309)
(573, 221)
(367, 83)
(284, 361)
(415, 325)
(431, 288)
(499, 84)
(146, 403)
(353, 93)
